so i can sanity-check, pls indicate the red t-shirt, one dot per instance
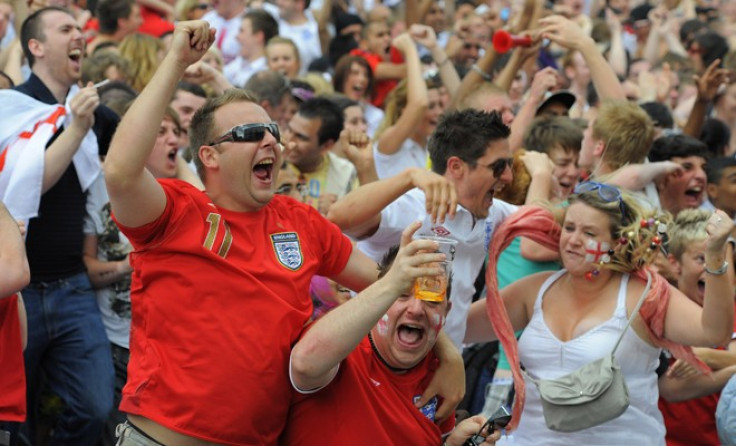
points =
(691, 422)
(153, 24)
(383, 87)
(13, 375)
(366, 404)
(219, 297)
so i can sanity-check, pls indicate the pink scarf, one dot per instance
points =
(538, 224)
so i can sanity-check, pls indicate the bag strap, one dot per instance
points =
(635, 312)
(628, 323)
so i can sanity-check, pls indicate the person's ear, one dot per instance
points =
(35, 47)
(456, 167)
(676, 267)
(209, 156)
(712, 191)
(327, 145)
(599, 149)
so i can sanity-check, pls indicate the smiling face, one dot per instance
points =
(356, 82)
(691, 268)
(241, 173)
(408, 331)
(684, 191)
(162, 161)
(59, 53)
(306, 152)
(581, 224)
(566, 171)
(282, 57)
(433, 113)
(477, 185)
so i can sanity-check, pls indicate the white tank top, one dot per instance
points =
(546, 357)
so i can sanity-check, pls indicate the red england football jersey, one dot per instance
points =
(13, 376)
(367, 404)
(219, 297)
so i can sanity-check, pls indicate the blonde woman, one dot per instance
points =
(144, 54)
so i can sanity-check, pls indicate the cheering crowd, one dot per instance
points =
(218, 219)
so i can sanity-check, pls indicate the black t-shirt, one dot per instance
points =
(55, 237)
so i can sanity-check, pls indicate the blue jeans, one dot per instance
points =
(68, 344)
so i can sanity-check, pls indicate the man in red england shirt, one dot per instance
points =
(358, 371)
(221, 277)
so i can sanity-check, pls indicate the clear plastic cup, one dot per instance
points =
(433, 288)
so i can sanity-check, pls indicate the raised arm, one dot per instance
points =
(711, 325)
(475, 77)
(425, 36)
(708, 84)
(358, 213)
(135, 196)
(416, 99)
(543, 81)
(59, 154)
(15, 273)
(315, 358)
(568, 34)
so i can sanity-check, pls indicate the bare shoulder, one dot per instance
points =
(527, 287)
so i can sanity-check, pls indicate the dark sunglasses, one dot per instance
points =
(606, 193)
(286, 188)
(249, 133)
(499, 166)
(202, 6)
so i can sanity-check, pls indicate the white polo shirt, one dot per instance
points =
(239, 71)
(472, 236)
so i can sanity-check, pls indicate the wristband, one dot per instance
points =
(717, 272)
(487, 77)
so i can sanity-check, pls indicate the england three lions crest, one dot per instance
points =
(288, 249)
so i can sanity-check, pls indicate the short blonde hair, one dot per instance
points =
(687, 228)
(626, 130)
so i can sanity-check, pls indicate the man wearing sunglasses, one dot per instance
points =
(221, 276)
(471, 161)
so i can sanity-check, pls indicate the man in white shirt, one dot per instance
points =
(226, 18)
(465, 178)
(256, 28)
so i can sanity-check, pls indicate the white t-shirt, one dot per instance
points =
(305, 36)
(227, 32)
(410, 154)
(472, 236)
(373, 117)
(240, 70)
(114, 299)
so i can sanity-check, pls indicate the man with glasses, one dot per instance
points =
(471, 161)
(221, 277)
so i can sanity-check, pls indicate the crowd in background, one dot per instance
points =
(637, 94)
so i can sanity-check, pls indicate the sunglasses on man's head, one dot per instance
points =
(499, 166)
(249, 133)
